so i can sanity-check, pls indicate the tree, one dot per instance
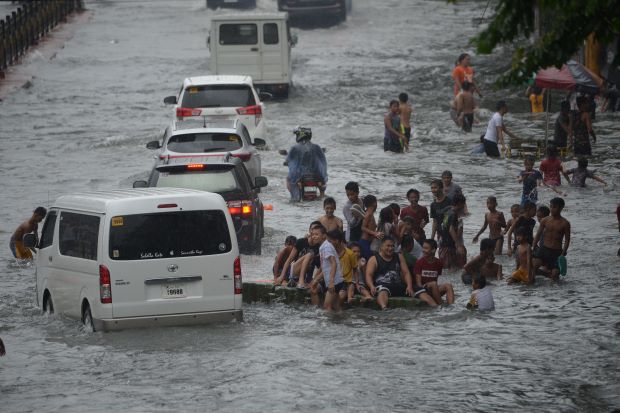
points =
(567, 24)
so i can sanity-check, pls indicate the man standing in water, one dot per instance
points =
(31, 226)
(392, 137)
(405, 117)
(462, 73)
(495, 131)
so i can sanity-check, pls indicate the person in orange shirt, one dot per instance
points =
(464, 72)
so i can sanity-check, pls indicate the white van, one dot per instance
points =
(139, 257)
(256, 45)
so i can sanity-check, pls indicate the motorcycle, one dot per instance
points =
(308, 188)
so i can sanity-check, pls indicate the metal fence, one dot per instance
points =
(25, 26)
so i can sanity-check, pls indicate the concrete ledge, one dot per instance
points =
(264, 292)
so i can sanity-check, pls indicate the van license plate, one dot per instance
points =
(173, 291)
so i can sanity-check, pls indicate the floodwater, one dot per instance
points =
(83, 123)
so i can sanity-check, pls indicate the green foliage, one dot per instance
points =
(567, 23)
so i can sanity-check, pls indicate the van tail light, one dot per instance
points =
(105, 285)
(244, 156)
(240, 207)
(255, 110)
(238, 281)
(187, 112)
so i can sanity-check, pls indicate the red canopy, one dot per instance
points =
(553, 78)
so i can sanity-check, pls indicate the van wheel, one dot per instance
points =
(87, 319)
(343, 11)
(48, 304)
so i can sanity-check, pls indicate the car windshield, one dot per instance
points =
(204, 142)
(210, 180)
(168, 235)
(218, 96)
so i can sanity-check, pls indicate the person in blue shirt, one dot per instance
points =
(531, 179)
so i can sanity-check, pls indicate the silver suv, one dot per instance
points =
(204, 140)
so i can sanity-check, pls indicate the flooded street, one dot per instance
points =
(83, 124)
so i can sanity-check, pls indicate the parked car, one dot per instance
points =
(214, 4)
(211, 140)
(220, 99)
(318, 8)
(134, 258)
(257, 45)
(226, 176)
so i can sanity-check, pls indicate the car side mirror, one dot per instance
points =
(258, 142)
(30, 240)
(294, 39)
(263, 96)
(170, 100)
(260, 182)
(140, 184)
(153, 145)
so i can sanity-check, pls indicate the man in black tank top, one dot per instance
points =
(387, 276)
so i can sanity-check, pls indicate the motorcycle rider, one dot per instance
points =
(305, 160)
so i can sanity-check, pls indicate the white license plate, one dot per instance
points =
(173, 291)
(309, 189)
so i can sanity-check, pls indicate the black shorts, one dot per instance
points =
(337, 287)
(468, 121)
(490, 148)
(549, 257)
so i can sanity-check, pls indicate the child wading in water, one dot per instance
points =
(556, 232)
(581, 173)
(495, 220)
(481, 298)
(523, 273)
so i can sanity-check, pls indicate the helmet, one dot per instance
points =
(302, 134)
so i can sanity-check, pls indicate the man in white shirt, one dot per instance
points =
(495, 131)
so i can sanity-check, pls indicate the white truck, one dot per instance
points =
(256, 45)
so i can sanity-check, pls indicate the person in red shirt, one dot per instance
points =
(464, 72)
(552, 167)
(427, 271)
(418, 213)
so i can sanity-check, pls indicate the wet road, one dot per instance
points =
(83, 124)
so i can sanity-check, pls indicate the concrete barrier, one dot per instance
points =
(264, 292)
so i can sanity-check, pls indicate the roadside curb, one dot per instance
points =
(21, 74)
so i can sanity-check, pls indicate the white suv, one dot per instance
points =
(221, 98)
(202, 140)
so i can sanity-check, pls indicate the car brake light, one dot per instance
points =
(238, 281)
(186, 112)
(105, 285)
(244, 156)
(167, 206)
(256, 110)
(195, 166)
(240, 207)
(250, 110)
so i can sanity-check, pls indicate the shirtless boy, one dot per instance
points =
(483, 263)
(405, 117)
(300, 259)
(524, 220)
(556, 232)
(16, 244)
(495, 220)
(465, 106)
(329, 220)
(523, 273)
(369, 226)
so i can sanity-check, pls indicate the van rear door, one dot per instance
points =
(171, 263)
(273, 52)
(238, 49)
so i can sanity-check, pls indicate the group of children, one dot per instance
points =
(393, 256)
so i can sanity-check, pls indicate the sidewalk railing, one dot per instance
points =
(25, 26)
